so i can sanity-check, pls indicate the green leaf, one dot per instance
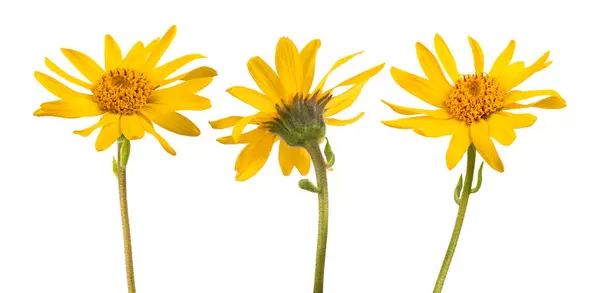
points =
(307, 185)
(115, 167)
(124, 152)
(458, 189)
(479, 179)
(329, 155)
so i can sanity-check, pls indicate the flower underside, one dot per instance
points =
(475, 97)
(123, 91)
(302, 120)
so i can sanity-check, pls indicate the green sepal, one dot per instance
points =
(115, 167)
(458, 189)
(308, 186)
(329, 155)
(479, 179)
(124, 151)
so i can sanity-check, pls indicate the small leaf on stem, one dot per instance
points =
(458, 189)
(479, 179)
(307, 185)
(329, 155)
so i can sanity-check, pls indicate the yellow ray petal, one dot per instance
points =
(225, 122)
(266, 79)
(170, 120)
(187, 102)
(188, 87)
(501, 129)
(308, 57)
(86, 65)
(362, 77)
(339, 122)
(343, 100)
(239, 127)
(552, 102)
(520, 120)
(439, 113)
(289, 66)
(108, 135)
(256, 158)
(419, 87)
(431, 67)
(148, 127)
(446, 57)
(286, 158)
(540, 64)
(107, 118)
(112, 53)
(135, 57)
(414, 122)
(197, 73)
(159, 74)
(337, 64)
(516, 96)
(132, 127)
(59, 89)
(70, 109)
(246, 137)
(160, 49)
(478, 59)
(501, 63)
(252, 98)
(54, 68)
(480, 135)
(460, 142)
(443, 128)
(512, 72)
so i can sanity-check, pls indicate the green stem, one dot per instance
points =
(121, 175)
(462, 210)
(321, 170)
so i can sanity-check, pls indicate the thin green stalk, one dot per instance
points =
(462, 210)
(121, 175)
(321, 170)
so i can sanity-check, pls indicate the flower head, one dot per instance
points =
(288, 110)
(472, 108)
(130, 92)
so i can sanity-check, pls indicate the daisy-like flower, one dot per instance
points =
(288, 110)
(473, 108)
(296, 116)
(130, 93)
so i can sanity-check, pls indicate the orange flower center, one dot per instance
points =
(475, 97)
(123, 91)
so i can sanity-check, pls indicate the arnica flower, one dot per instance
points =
(473, 108)
(296, 116)
(130, 93)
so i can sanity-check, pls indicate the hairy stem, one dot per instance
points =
(121, 174)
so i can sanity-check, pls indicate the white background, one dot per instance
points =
(533, 228)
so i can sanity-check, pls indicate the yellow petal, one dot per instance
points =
(70, 109)
(252, 98)
(308, 57)
(419, 87)
(538, 65)
(446, 57)
(439, 113)
(520, 120)
(161, 73)
(431, 67)
(86, 65)
(67, 76)
(135, 57)
(200, 72)
(188, 87)
(459, 144)
(414, 122)
(480, 135)
(107, 118)
(290, 157)
(266, 79)
(501, 63)
(112, 53)
(132, 127)
(170, 120)
(512, 72)
(187, 102)
(239, 127)
(59, 89)
(338, 122)
(337, 64)
(362, 77)
(501, 130)
(443, 128)
(478, 59)
(516, 96)
(289, 66)
(108, 135)
(148, 127)
(246, 137)
(160, 49)
(552, 102)
(225, 122)
(343, 100)
(256, 157)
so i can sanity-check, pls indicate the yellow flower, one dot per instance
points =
(129, 92)
(472, 107)
(282, 91)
